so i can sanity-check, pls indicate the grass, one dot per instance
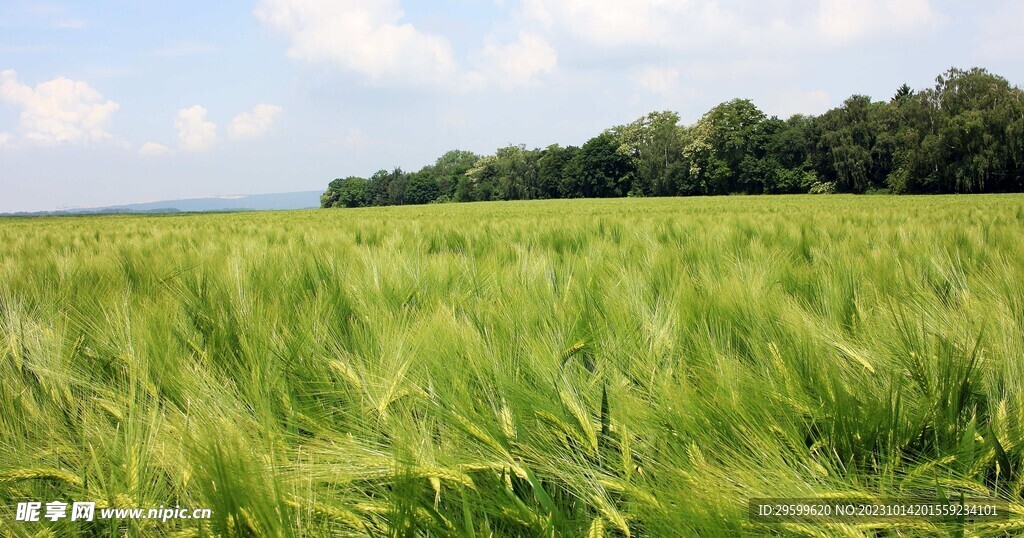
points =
(636, 367)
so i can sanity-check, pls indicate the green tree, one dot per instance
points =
(450, 168)
(853, 150)
(654, 145)
(789, 150)
(964, 135)
(481, 181)
(552, 166)
(347, 192)
(725, 149)
(903, 93)
(599, 170)
(330, 196)
(464, 190)
(377, 189)
(517, 173)
(353, 192)
(398, 183)
(421, 188)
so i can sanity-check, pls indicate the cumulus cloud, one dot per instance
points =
(5, 139)
(518, 63)
(255, 123)
(682, 23)
(607, 22)
(370, 39)
(740, 68)
(849, 20)
(152, 149)
(58, 111)
(194, 132)
(363, 36)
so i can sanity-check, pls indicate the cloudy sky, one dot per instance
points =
(107, 102)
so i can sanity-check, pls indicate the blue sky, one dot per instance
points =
(108, 102)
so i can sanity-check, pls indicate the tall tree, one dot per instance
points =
(967, 134)
(552, 166)
(848, 151)
(421, 187)
(398, 182)
(599, 170)
(449, 169)
(481, 181)
(654, 145)
(517, 173)
(903, 93)
(789, 151)
(725, 148)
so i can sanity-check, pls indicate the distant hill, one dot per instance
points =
(251, 202)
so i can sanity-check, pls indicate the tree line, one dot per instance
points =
(964, 135)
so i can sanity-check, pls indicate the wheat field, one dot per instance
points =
(632, 367)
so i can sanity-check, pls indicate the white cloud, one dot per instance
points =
(519, 63)
(194, 132)
(366, 37)
(370, 39)
(255, 123)
(5, 139)
(849, 20)
(740, 69)
(731, 25)
(152, 149)
(661, 80)
(58, 111)
(612, 23)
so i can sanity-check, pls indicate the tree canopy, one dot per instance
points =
(964, 135)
